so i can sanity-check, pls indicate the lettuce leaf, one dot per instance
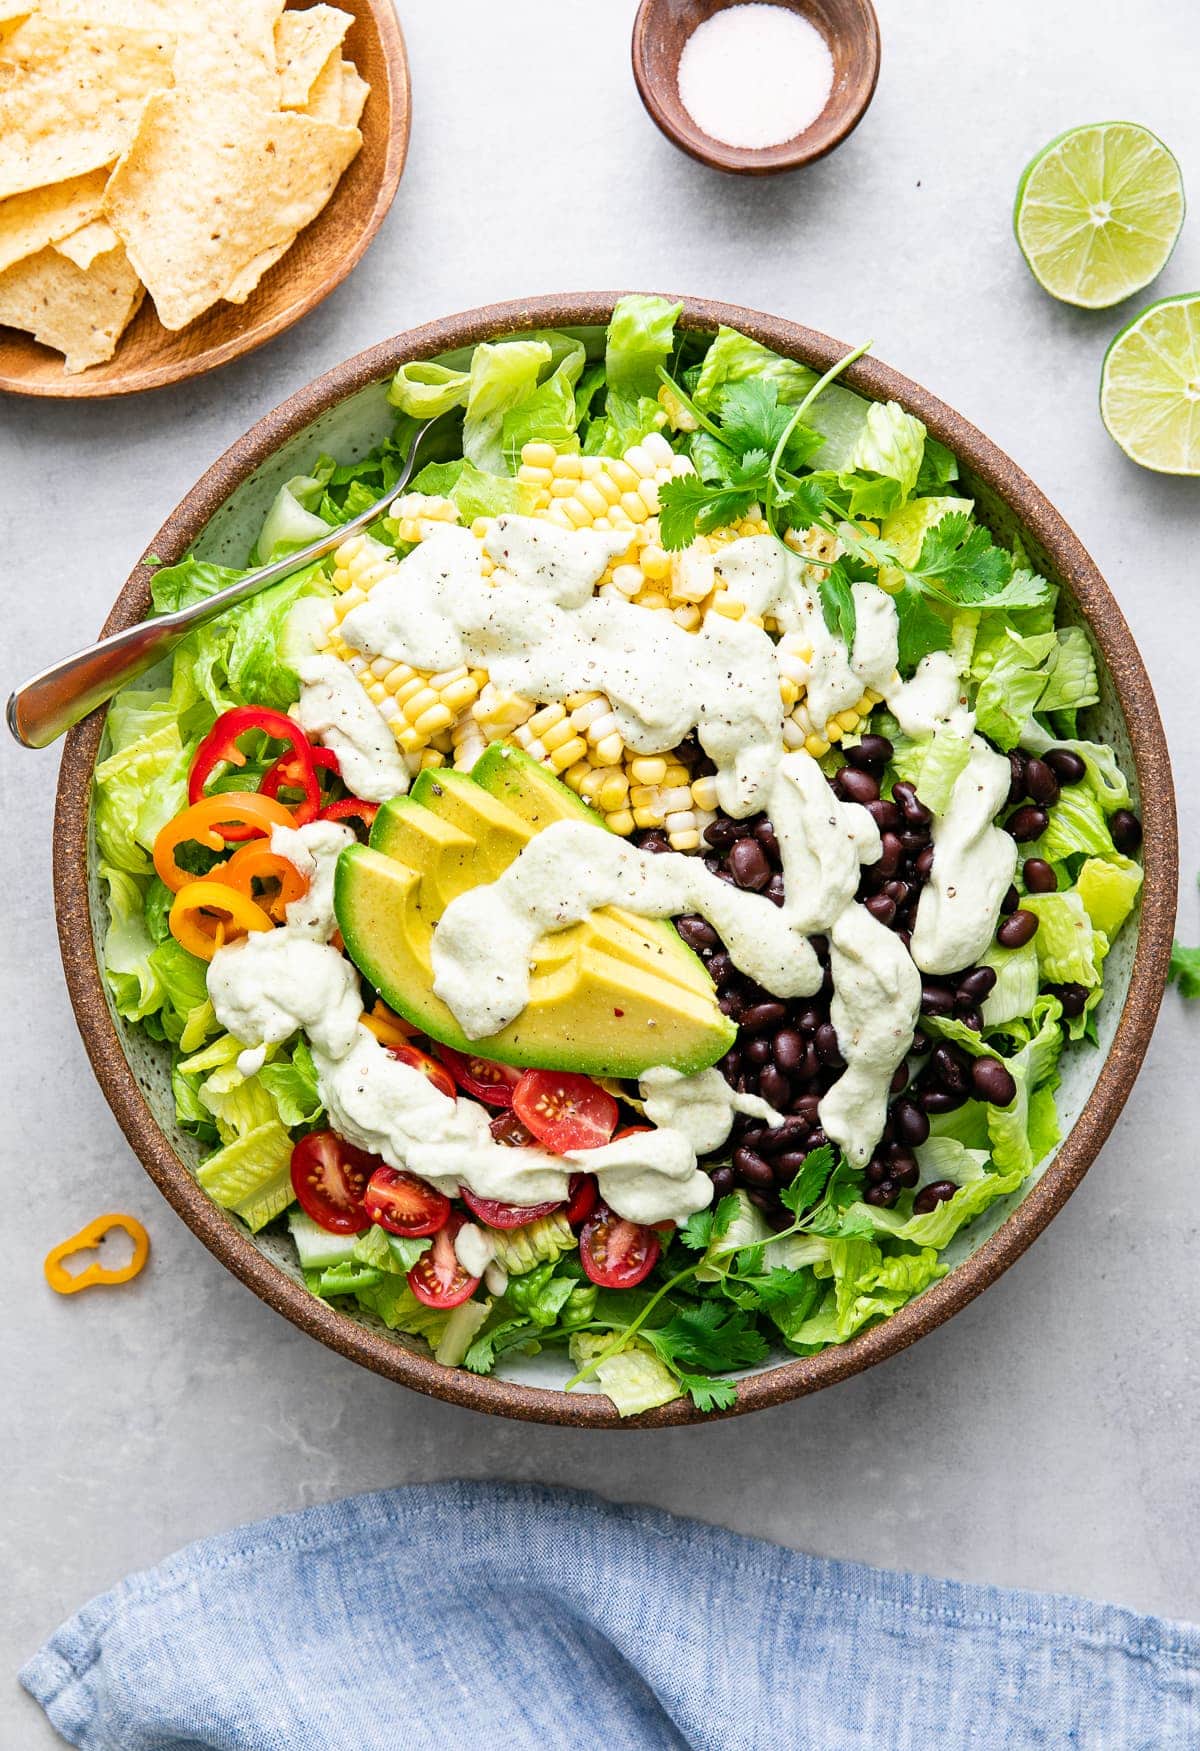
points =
(634, 1378)
(891, 443)
(1077, 823)
(423, 389)
(1071, 681)
(252, 1174)
(475, 493)
(868, 1284)
(934, 765)
(1109, 887)
(641, 338)
(549, 415)
(503, 374)
(291, 1082)
(733, 357)
(1011, 686)
(1104, 776)
(1070, 950)
(1017, 982)
(292, 520)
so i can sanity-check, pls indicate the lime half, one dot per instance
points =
(1098, 211)
(1150, 386)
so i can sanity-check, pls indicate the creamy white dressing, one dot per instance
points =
(313, 850)
(973, 864)
(648, 1176)
(874, 1008)
(932, 700)
(274, 981)
(701, 1106)
(474, 1248)
(336, 711)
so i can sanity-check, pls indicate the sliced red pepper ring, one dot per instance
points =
(65, 1282)
(220, 748)
(348, 808)
(208, 823)
(256, 862)
(208, 914)
(289, 773)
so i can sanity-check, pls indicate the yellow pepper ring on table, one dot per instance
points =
(65, 1282)
(203, 822)
(203, 937)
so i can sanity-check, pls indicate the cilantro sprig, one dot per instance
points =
(701, 1340)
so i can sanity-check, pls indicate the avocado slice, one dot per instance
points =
(587, 1010)
(541, 799)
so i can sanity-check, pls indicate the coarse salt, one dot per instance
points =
(755, 75)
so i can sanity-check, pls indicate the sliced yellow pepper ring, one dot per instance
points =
(65, 1282)
(207, 914)
(256, 862)
(203, 822)
(387, 1027)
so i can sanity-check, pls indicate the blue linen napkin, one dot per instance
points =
(465, 1614)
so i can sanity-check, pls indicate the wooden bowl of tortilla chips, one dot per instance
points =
(182, 179)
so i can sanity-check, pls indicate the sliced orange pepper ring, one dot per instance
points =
(65, 1282)
(203, 822)
(207, 914)
(387, 1027)
(256, 862)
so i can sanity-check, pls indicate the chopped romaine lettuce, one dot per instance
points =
(634, 1378)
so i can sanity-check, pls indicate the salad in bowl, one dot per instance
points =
(633, 903)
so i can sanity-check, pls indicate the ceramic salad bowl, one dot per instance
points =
(346, 413)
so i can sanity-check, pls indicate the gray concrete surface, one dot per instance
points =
(1047, 1436)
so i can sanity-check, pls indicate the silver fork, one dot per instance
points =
(48, 704)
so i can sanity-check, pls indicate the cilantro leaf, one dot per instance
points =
(1185, 970)
(837, 604)
(921, 629)
(711, 1335)
(689, 506)
(706, 1393)
(705, 1226)
(939, 467)
(810, 1182)
(751, 417)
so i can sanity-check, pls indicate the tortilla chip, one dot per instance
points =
(240, 288)
(227, 44)
(40, 216)
(355, 92)
(206, 189)
(325, 97)
(80, 313)
(71, 97)
(83, 246)
(304, 42)
(10, 9)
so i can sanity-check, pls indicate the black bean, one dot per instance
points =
(870, 751)
(973, 1019)
(886, 816)
(876, 1171)
(1126, 831)
(758, 1051)
(1010, 902)
(936, 1000)
(752, 1168)
(884, 1195)
(880, 907)
(939, 1191)
(1072, 997)
(764, 832)
(698, 933)
(1039, 876)
(920, 1044)
(774, 890)
(819, 944)
(767, 1202)
(1016, 931)
(727, 1003)
(1067, 766)
(914, 839)
(857, 786)
(807, 1107)
(789, 1135)
(789, 1049)
(891, 855)
(903, 1165)
(915, 812)
(763, 1015)
(992, 1082)
(749, 865)
(899, 1080)
(976, 985)
(722, 832)
(923, 862)
(723, 1181)
(1027, 823)
(911, 1124)
(1016, 783)
(721, 968)
(897, 892)
(827, 1045)
(655, 841)
(774, 1087)
(817, 1138)
(942, 1100)
(788, 1165)
(1040, 783)
(948, 1067)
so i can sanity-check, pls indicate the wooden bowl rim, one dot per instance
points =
(802, 1375)
(821, 136)
(179, 369)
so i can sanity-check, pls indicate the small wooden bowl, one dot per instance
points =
(850, 27)
(149, 356)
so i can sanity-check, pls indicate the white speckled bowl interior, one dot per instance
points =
(349, 429)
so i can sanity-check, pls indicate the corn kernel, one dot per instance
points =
(622, 822)
(648, 769)
(816, 746)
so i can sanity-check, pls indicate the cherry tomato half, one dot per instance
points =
(330, 1178)
(564, 1111)
(505, 1215)
(583, 1196)
(480, 1078)
(404, 1204)
(437, 1278)
(418, 1060)
(506, 1128)
(615, 1253)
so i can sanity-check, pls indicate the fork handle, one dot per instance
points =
(52, 702)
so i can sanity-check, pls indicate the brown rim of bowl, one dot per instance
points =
(790, 1379)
